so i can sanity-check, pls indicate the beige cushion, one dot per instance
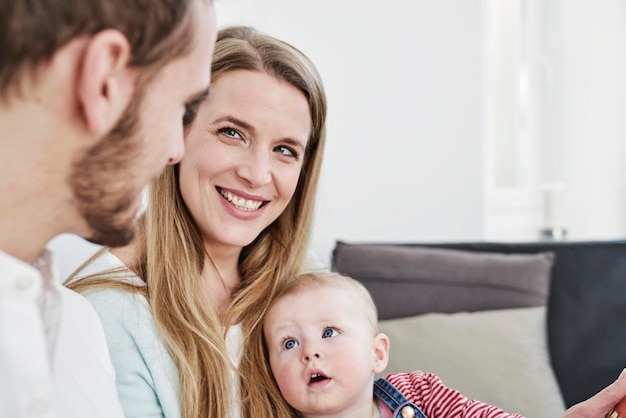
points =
(497, 356)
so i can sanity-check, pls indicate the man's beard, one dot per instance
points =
(103, 180)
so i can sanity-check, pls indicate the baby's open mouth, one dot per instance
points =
(316, 377)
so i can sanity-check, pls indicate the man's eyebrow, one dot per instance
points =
(200, 96)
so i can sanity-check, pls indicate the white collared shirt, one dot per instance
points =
(54, 361)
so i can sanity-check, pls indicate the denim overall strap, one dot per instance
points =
(394, 399)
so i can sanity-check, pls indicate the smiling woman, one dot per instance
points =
(222, 229)
(245, 155)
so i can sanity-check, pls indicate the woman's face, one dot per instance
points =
(244, 153)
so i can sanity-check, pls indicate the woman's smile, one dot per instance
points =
(240, 203)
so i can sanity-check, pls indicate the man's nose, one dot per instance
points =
(177, 150)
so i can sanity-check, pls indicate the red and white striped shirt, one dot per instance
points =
(436, 400)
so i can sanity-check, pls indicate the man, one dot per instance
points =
(92, 95)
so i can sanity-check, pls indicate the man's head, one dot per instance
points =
(127, 71)
(31, 32)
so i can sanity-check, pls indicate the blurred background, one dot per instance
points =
(457, 120)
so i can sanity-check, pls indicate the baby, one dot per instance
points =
(323, 348)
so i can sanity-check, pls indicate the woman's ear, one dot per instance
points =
(105, 83)
(381, 352)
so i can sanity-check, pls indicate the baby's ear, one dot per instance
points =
(381, 352)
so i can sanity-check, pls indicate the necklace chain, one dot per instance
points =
(226, 291)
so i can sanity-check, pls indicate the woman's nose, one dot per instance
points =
(256, 169)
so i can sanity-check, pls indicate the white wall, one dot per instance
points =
(584, 111)
(575, 65)
(404, 156)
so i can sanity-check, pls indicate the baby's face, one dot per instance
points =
(322, 350)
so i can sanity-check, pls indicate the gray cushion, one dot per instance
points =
(407, 281)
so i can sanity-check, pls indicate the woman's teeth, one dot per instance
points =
(241, 203)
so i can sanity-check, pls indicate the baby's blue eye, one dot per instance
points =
(289, 344)
(329, 332)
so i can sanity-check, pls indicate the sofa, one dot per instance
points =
(532, 327)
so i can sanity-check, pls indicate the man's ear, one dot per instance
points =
(381, 352)
(105, 81)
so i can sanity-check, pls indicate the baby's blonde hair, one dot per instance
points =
(313, 280)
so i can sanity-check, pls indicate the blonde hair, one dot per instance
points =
(255, 350)
(172, 254)
(315, 280)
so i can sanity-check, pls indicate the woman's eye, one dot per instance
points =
(329, 332)
(289, 344)
(283, 150)
(230, 132)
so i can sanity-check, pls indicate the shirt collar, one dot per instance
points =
(42, 266)
(46, 266)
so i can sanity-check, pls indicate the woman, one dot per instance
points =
(221, 231)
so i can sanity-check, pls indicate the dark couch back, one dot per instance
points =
(586, 309)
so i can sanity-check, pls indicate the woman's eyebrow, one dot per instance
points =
(294, 142)
(237, 122)
(247, 126)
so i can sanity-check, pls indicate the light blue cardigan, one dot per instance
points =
(146, 376)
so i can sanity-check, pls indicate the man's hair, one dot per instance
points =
(31, 31)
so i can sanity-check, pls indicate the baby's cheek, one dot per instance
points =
(354, 363)
(282, 377)
(287, 384)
